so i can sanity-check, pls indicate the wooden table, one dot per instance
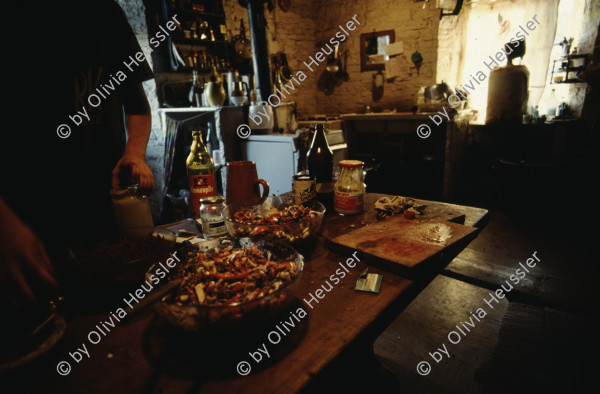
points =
(141, 354)
(566, 279)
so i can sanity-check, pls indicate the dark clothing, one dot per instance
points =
(60, 186)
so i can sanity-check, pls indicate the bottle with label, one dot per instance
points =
(320, 164)
(201, 173)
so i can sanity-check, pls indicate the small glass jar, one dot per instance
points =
(132, 213)
(213, 224)
(349, 189)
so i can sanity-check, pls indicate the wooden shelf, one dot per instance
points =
(193, 41)
(198, 13)
(203, 70)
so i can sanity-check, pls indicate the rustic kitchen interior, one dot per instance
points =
(473, 128)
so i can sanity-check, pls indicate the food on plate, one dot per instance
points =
(409, 214)
(229, 275)
(398, 205)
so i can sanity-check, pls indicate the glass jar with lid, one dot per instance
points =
(213, 224)
(132, 212)
(349, 190)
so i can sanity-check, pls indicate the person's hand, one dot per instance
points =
(139, 171)
(22, 258)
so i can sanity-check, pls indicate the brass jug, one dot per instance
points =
(215, 93)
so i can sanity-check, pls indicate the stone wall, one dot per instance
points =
(291, 32)
(298, 32)
(416, 27)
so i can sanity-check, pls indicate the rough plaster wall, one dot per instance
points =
(452, 32)
(451, 41)
(585, 44)
(135, 12)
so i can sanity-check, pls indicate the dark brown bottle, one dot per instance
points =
(195, 94)
(319, 161)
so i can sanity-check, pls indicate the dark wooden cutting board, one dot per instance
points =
(403, 243)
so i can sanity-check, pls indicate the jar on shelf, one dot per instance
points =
(349, 189)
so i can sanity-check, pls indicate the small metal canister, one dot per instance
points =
(213, 224)
(304, 188)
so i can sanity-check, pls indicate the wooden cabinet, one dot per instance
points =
(402, 162)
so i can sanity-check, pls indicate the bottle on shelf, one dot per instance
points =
(195, 60)
(223, 31)
(214, 75)
(201, 173)
(229, 83)
(551, 104)
(195, 95)
(421, 95)
(320, 164)
(189, 58)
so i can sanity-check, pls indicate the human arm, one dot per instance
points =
(138, 125)
(22, 255)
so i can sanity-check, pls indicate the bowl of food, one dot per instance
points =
(219, 285)
(277, 218)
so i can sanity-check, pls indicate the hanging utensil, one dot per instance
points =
(332, 63)
(241, 45)
(286, 72)
(417, 59)
(326, 82)
(346, 76)
(276, 68)
(340, 75)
